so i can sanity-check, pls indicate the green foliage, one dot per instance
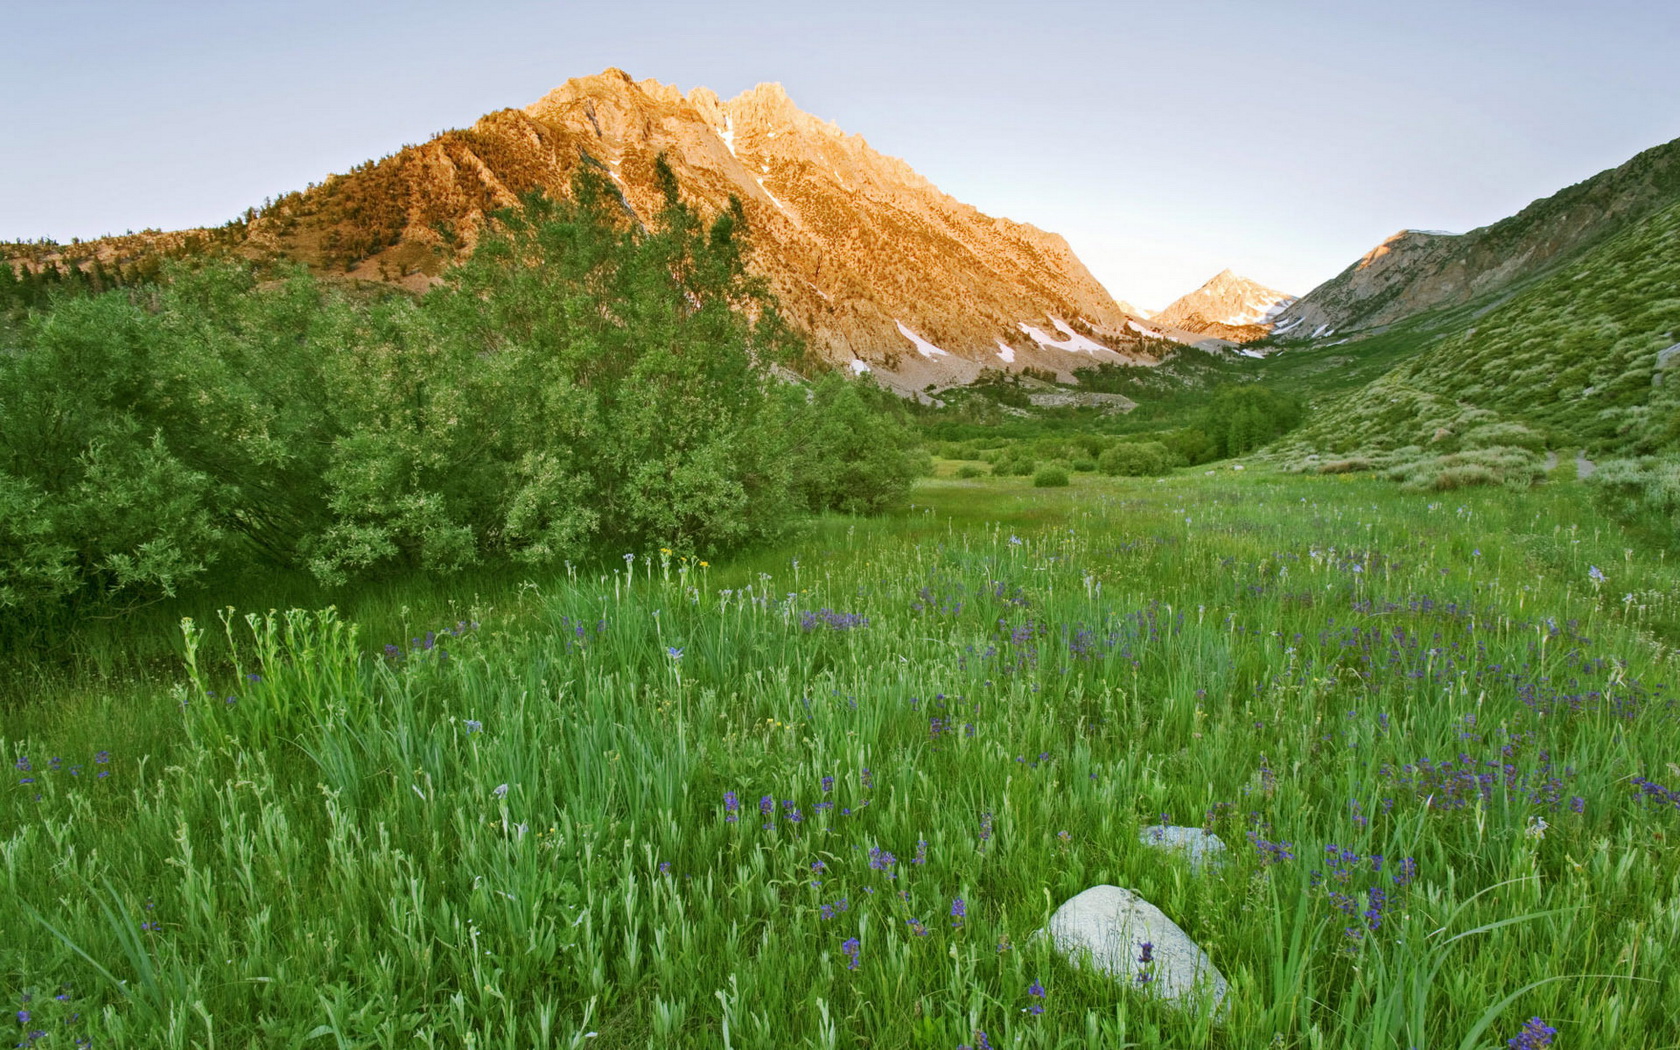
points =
(1242, 417)
(1191, 445)
(96, 505)
(1050, 477)
(852, 454)
(580, 385)
(970, 470)
(1136, 460)
(1512, 466)
(1643, 489)
(1016, 460)
(1001, 387)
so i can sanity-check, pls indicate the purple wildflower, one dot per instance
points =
(1407, 872)
(834, 621)
(731, 807)
(1036, 990)
(1535, 1035)
(853, 949)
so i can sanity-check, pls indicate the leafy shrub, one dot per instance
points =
(94, 503)
(969, 470)
(1015, 461)
(1050, 477)
(1136, 460)
(1192, 446)
(1645, 488)
(853, 457)
(1084, 466)
(1344, 466)
(1513, 467)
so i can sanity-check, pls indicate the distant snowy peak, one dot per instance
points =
(1227, 307)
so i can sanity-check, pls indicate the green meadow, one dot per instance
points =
(824, 794)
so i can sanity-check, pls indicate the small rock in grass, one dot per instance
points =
(1108, 926)
(1201, 848)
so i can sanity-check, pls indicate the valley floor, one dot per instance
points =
(824, 795)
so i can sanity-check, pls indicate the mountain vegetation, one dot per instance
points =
(581, 385)
(1417, 271)
(1581, 359)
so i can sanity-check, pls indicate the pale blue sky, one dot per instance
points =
(1165, 140)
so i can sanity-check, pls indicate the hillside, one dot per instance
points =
(1588, 357)
(877, 267)
(1415, 271)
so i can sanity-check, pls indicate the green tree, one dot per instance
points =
(1242, 417)
(853, 455)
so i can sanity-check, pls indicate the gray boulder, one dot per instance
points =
(1201, 848)
(1107, 926)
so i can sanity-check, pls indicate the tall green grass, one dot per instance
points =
(513, 831)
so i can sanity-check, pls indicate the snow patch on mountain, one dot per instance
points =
(1006, 352)
(772, 196)
(1074, 343)
(1226, 301)
(925, 348)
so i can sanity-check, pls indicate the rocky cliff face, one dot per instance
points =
(1417, 270)
(880, 269)
(1226, 307)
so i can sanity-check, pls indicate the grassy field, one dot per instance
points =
(675, 804)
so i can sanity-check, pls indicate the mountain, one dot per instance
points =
(1226, 307)
(1415, 271)
(880, 269)
(1586, 357)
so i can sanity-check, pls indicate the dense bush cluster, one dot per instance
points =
(1643, 489)
(1137, 459)
(579, 385)
(1235, 419)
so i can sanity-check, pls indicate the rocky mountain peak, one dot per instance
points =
(1228, 307)
(878, 268)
